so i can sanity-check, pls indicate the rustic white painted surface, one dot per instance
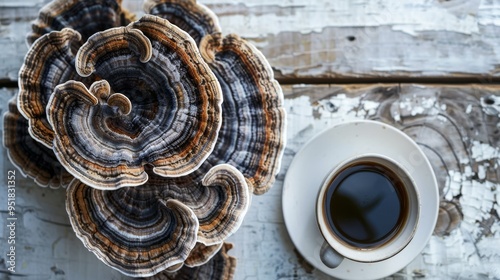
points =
(331, 38)
(323, 38)
(311, 39)
(46, 248)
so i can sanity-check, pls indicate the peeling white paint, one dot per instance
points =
(491, 105)
(482, 151)
(306, 118)
(420, 105)
(478, 199)
(445, 255)
(421, 37)
(343, 107)
(481, 172)
(475, 240)
(411, 17)
(442, 119)
(468, 110)
(490, 13)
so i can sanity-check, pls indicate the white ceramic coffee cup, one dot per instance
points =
(335, 249)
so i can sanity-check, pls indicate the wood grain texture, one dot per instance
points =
(367, 38)
(333, 40)
(465, 161)
(321, 41)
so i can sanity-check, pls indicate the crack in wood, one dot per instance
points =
(444, 80)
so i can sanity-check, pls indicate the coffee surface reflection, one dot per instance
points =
(366, 204)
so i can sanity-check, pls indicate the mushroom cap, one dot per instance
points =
(31, 157)
(122, 225)
(219, 267)
(201, 254)
(173, 268)
(194, 18)
(49, 62)
(220, 200)
(253, 132)
(173, 103)
(138, 234)
(87, 17)
(252, 137)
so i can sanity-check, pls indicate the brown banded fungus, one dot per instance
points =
(87, 17)
(220, 200)
(219, 267)
(138, 237)
(129, 227)
(171, 98)
(31, 157)
(190, 16)
(48, 63)
(201, 254)
(56, 35)
(60, 29)
(252, 136)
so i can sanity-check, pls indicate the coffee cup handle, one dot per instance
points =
(330, 257)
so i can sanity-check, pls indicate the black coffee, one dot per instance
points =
(366, 204)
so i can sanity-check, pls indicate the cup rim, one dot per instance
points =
(378, 253)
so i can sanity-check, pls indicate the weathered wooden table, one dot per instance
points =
(426, 67)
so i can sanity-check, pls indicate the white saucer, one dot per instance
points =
(319, 156)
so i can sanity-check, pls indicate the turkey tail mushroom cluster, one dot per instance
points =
(161, 129)
(168, 114)
(190, 16)
(139, 235)
(88, 17)
(221, 266)
(253, 102)
(139, 219)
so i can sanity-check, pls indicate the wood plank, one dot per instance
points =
(369, 38)
(14, 25)
(340, 40)
(456, 126)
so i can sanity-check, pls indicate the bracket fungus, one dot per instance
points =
(60, 29)
(87, 17)
(189, 15)
(49, 62)
(220, 267)
(168, 113)
(220, 200)
(129, 227)
(201, 254)
(31, 157)
(252, 136)
(145, 236)
(163, 170)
